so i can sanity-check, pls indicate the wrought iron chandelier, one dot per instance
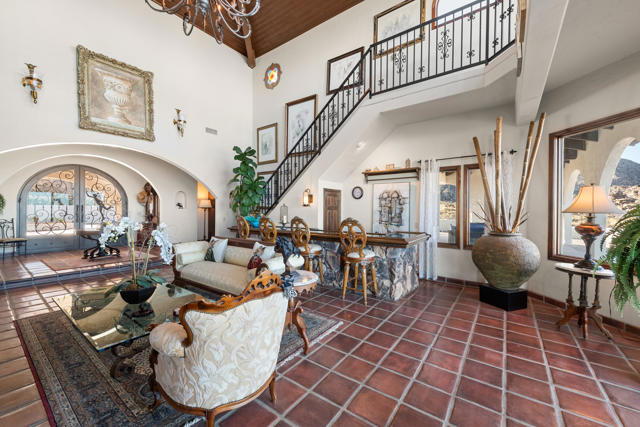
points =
(232, 13)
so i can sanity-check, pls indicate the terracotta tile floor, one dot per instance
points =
(438, 357)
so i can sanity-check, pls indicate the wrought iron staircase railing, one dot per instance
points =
(471, 35)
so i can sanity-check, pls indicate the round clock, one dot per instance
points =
(357, 193)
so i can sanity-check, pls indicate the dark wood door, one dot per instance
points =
(332, 211)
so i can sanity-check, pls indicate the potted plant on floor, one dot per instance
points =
(623, 257)
(504, 256)
(250, 187)
(142, 283)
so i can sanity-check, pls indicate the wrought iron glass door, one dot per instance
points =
(58, 203)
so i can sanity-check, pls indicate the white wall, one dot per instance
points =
(211, 83)
(443, 137)
(608, 91)
(134, 168)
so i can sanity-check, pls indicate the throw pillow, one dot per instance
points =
(217, 248)
(268, 251)
(256, 258)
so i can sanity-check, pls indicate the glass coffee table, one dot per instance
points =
(108, 322)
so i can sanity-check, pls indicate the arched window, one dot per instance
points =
(58, 202)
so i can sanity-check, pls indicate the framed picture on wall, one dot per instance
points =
(266, 174)
(299, 115)
(401, 17)
(338, 69)
(114, 97)
(267, 144)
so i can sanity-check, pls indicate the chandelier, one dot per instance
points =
(232, 13)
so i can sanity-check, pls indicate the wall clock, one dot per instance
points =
(272, 76)
(357, 193)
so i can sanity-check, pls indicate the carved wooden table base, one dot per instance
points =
(582, 310)
(294, 312)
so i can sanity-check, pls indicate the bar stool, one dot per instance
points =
(243, 227)
(353, 239)
(268, 231)
(312, 253)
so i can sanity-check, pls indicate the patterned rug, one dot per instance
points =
(75, 380)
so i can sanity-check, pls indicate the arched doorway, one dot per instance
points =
(57, 202)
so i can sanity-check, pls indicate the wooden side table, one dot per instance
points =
(303, 281)
(582, 310)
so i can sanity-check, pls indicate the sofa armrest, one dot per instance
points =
(167, 339)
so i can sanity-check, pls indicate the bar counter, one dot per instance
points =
(396, 259)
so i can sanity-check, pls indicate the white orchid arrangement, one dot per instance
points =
(140, 275)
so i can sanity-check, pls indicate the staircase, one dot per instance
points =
(466, 37)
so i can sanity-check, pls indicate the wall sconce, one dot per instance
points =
(180, 122)
(32, 80)
(307, 197)
(284, 214)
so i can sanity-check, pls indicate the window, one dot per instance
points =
(449, 222)
(605, 153)
(473, 205)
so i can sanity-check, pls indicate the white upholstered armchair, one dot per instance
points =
(223, 354)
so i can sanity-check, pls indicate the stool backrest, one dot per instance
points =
(268, 231)
(7, 229)
(243, 227)
(300, 233)
(352, 236)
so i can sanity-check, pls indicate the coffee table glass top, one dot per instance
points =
(107, 321)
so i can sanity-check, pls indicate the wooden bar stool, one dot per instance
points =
(354, 239)
(268, 231)
(312, 253)
(243, 227)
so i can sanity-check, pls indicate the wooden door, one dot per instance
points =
(332, 210)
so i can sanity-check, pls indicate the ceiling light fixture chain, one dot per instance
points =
(234, 14)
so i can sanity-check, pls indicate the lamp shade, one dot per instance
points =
(204, 204)
(592, 199)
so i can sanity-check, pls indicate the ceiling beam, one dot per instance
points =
(251, 54)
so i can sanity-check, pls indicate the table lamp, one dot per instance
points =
(591, 200)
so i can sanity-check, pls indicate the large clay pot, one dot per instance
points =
(506, 260)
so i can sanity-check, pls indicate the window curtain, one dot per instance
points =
(429, 216)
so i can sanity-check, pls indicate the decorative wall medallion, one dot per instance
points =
(114, 97)
(357, 193)
(272, 76)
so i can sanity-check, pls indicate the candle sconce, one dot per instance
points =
(307, 197)
(33, 82)
(180, 122)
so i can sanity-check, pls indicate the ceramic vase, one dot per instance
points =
(506, 260)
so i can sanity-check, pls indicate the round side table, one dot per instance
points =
(303, 281)
(582, 310)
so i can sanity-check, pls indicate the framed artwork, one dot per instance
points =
(114, 97)
(391, 207)
(267, 141)
(266, 174)
(395, 20)
(298, 117)
(338, 69)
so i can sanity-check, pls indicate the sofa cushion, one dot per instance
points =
(185, 258)
(238, 256)
(217, 248)
(222, 276)
(268, 253)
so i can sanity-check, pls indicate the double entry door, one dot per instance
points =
(57, 204)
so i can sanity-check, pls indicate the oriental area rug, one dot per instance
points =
(75, 381)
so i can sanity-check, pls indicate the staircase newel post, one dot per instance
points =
(486, 39)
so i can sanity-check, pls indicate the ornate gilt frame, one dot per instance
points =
(84, 55)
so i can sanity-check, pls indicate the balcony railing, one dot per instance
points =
(471, 35)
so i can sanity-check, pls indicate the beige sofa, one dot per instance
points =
(228, 277)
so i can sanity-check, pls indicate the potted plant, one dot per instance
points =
(504, 256)
(250, 187)
(623, 257)
(142, 283)
(2, 203)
